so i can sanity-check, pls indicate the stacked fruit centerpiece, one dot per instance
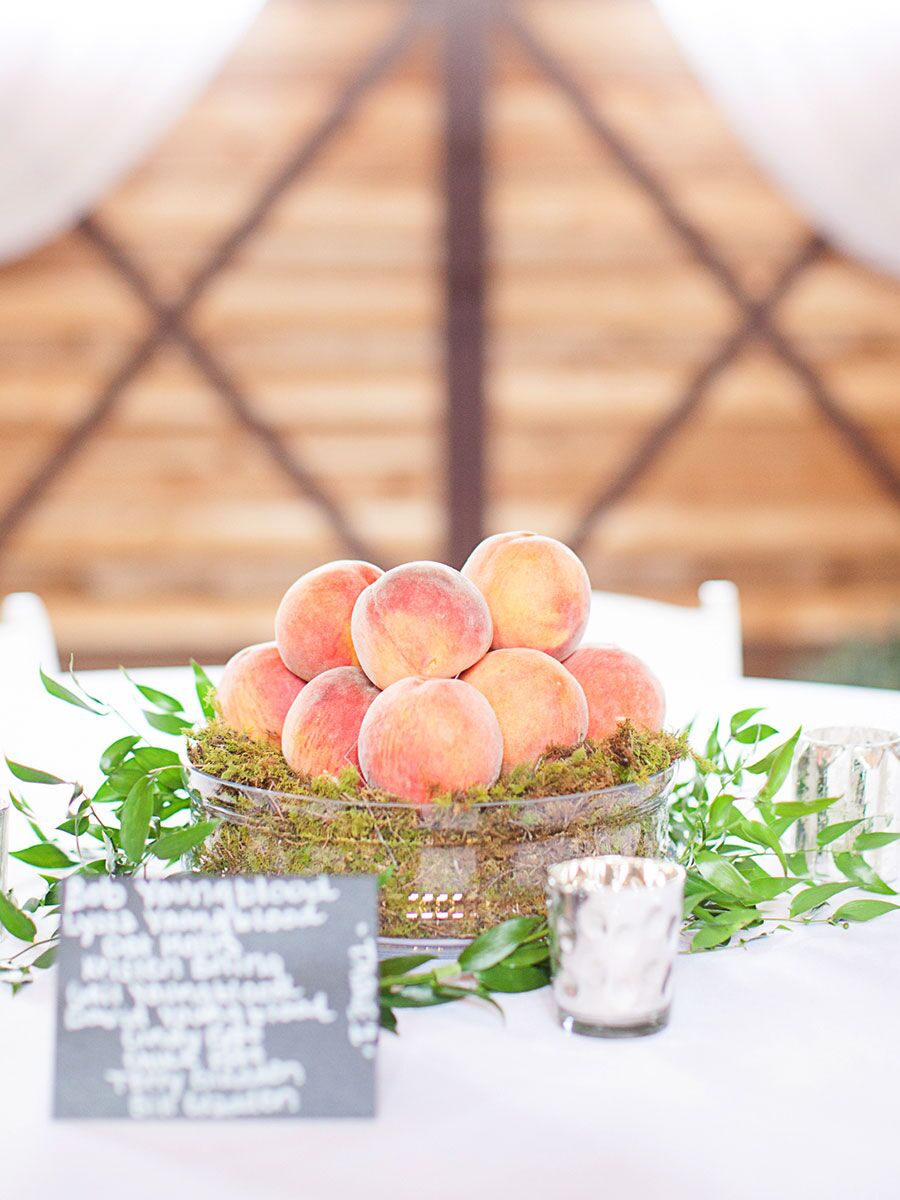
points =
(442, 729)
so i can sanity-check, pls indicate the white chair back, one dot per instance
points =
(701, 644)
(26, 639)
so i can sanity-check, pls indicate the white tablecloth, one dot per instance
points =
(778, 1075)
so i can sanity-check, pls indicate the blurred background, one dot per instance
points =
(367, 278)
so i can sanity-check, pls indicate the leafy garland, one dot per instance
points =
(726, 828)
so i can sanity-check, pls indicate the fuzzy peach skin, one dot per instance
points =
(420, 619)
(255, 692)
(312, 624)
(321, 728)
(537, 702)
(423, 736)
(618, 686)
(537, 590)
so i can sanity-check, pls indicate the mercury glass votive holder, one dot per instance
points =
(614, 923)
(862, 766)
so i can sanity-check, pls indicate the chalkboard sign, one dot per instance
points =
(204, 997)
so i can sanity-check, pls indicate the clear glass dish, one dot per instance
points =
(447, 871)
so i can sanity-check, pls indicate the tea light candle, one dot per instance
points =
(614, 925)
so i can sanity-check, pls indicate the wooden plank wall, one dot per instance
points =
(171, 534)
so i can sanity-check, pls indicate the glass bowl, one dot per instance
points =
(447, 871)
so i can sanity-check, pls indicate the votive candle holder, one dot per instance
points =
(861, 765)
(614, 924)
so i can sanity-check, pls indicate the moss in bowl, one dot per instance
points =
(451, 868)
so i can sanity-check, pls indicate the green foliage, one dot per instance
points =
(733, 838)
(139, 815)
(510, 957)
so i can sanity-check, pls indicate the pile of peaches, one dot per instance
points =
(429, 680)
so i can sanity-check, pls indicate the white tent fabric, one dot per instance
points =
(813, 89)
(86, 89)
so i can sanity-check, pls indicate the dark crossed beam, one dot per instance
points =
(464, 75)
(169, 320)
(465, 28)
(757, 316)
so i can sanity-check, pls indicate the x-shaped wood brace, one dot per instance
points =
(170, 320)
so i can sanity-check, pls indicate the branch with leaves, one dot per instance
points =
(727, 828)
(139, 819)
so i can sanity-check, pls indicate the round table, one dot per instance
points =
(778, 1074)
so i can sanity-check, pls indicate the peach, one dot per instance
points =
(419, 619)
(537, 702)
(537, 590)
(618, 687)
(255, 692)
(422, 736)
(322, 725)
(312, 624)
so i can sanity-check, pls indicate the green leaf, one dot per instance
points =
(63, 693)
(754, 733)
(855, 867)
(151, 758)
(158, 699)
(402, 964)
(740, 719)
(778, 771)
(711, 935)
(761, 835)
(812, 897)
(106, 793)
(115, 752)
(43, 855)
(713, 746)
(513, 979)
(770, 886)
(454, 991)
(762, 765)
(831, 833)
(796, 863)
(123, 779)
(170, 846)
(722, 812)
(863, 910)
(205, 690)
(167, 722)
(792, 810)
(420, 996)
(135, 819)
(874, 841)
(78, 827)
(492, 946)
(388, 1020)
(31, 774)
(724, 876)
(18, 923)
(45, 960)
(527, 955)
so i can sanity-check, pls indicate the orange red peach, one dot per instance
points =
(312, 624)
(419, 619)
(321, 728)
(536, 701)
(255, 692)
(618, 687)
(426, 736)
(536, 588)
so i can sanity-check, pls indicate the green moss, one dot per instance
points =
(631, 755)
(493, 856)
